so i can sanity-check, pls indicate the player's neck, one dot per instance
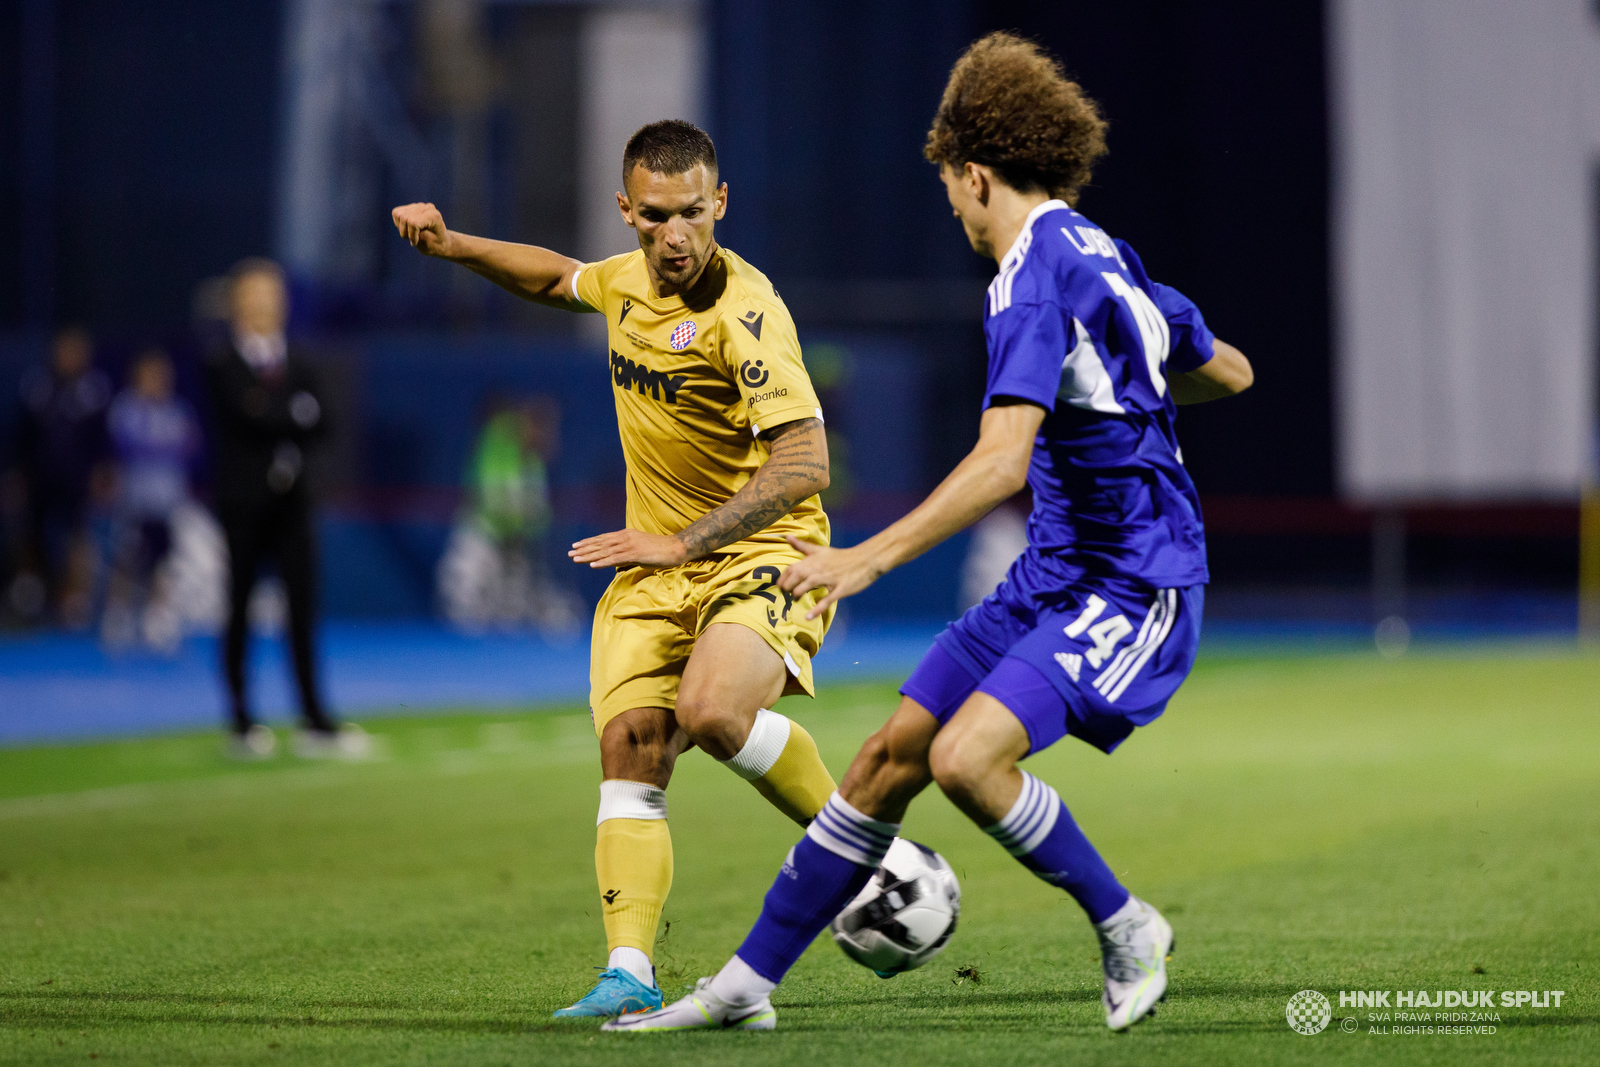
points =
(1008, 213)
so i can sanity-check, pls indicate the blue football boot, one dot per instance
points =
(616, 993)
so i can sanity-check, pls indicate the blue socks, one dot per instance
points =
(841, 850)
(1039, 831)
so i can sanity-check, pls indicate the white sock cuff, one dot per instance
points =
(768, 734)
(621, 799)
(1030, 819)
(1132, 908)
(739, 984)
(634, 962)
(848, 834)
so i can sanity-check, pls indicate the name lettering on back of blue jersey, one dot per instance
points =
(1093, 241)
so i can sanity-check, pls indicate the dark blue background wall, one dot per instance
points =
(157, 162)
(1217, 175)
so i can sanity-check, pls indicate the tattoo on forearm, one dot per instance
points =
(790, 474)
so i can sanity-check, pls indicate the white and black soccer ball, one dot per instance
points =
(905, 914)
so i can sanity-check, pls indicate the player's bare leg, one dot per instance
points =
(642, 745)
(892, 767)
(732, 680)
(974, 760)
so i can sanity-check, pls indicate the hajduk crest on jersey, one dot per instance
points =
(683, 335)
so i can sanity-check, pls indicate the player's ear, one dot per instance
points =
(626, 208)
(722, 201)
(978, 182)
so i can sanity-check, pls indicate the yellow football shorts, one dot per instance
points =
(646, 625)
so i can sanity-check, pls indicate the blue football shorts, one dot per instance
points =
(1094, 659)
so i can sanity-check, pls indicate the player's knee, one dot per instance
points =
(874, 755)
(634, 750)
(701, 714)
(959, 770)
(864, 780)
(696, 712)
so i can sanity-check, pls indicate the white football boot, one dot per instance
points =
(1135, 945)
(256, 743)
(349, 742)
(700, 1010)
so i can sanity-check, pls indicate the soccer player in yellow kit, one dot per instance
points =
(694, 640)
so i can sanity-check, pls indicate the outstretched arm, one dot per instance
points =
(1226, 373)
(994, 471)
(796, 469)
(533, 273)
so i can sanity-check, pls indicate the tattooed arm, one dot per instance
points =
(796, 469)
(994, 470)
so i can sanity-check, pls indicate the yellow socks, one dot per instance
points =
(633, 862)
(633, 849)
(781, 760)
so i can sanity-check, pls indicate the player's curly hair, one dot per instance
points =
(1010, 106)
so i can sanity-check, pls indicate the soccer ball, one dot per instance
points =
(904, 915)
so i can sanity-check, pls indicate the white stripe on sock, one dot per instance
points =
(1031, 813)
(848, 834)
(851, 834)
(620, 799)
(768, 735)
(1030, 819)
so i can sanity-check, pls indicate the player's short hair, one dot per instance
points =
(1010, 106)
(670, 146)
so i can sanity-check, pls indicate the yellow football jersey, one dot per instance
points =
(696, 380)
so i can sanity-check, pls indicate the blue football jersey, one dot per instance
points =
(1074, 325)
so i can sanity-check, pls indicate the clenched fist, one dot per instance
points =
(423, 226)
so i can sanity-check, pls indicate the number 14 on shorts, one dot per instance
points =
(1105, 634)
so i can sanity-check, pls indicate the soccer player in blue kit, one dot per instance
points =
(1096, 623)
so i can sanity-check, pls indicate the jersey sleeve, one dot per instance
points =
(1027, 343)
(761, 351)
(590, 283)
(1193, 343)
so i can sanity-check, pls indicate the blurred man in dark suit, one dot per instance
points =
(269, 413)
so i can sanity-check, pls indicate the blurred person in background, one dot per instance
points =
(493, 570)
(155, 436)
(60, 452)
(997, 540)
(269, 412)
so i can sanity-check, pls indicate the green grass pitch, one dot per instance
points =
(1325, 821)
